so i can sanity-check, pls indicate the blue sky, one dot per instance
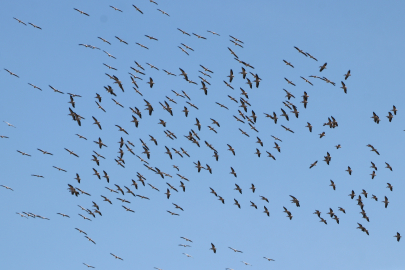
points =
(359, 36)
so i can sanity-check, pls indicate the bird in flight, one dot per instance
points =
(115, 256)
(11, 73)
(82, 12)
(213, 248)
(6, 187)
(19, 21)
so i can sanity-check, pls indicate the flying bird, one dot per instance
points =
(81, 12)
(322, 67)
(213, 248)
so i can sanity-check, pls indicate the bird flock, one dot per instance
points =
(180, 144)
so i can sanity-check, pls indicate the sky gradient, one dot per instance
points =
(358, 36)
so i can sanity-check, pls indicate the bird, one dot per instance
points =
(213, 248)
(253, 188)
(330, 212)
(188, 240)
(35, 87)
(184, 32)
(277, 147)
(106, 199)
(89, 266)
(128, 209)
(300, 51)
(44, 152)
(322, 67)
(71, 152)
(19, 21)
(287, 129)
(288, 63)
(398, 236)
(100, 143)
(81, 12)
(198, 36)
(375, 118)
(373, 166)
(294, 200)
(288, 213)
(10, 125)
(151, 83)
(394, 109)
(345, 89)
(173, 214)
(349, 170)
(233, 172)
(332, 184)
(253, 204)
(322, 134)
(121, 129)
(91, 240)
(285, 115)
(137, 9)
(386, 202)
(347, 75)
(84, 217)
(362, 228)
(117, 9)
(236, 203)
(143, 46)
(289, 82)
(214, 33)
(106, 176)
(238, 189)
(168, 193)
(163, 12)
(115, 256)
(59, 169)
(6, 187)
(11, 73)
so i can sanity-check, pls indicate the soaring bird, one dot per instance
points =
(332, 184)
(151, 83)
(115, 256)
(11, 73)
(238, 189)
(6, 187)
(233, 172)
(347, 75)
(398, 236)
(322, 67)
(82, 12)
(386, 202)
(213, 248)
(236, 203)
(19, 21)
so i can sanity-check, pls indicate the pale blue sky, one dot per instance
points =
(363, 36)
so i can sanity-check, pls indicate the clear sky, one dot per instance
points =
(364, 37)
